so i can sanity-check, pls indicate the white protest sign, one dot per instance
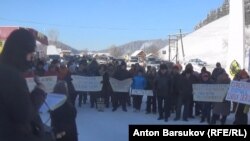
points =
(31, 83)
(239, 92)
(48, 81)
(142, 92)
(120, 86)
(52, 102)
(87, 83)
(210, 92)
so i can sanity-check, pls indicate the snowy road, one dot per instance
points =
(113, 126)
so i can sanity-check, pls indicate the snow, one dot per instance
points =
(52, 50)
(208, 43)
(134, 54)
(114, 126)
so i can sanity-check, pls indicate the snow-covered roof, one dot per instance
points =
(136, 53)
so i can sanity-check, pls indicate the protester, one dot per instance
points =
(82, 71)
(241, 113)
(19, 118)
(163, 92)
(121, 97)
(139, 82)
(63, 119)
(187, 79)
(221, 109)
(217, 71)
(205, 105)
(151, 100)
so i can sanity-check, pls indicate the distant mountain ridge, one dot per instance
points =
(149, 46)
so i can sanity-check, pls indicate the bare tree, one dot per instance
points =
(53, 35)
(152, 49)
(115, 51)
(85, 51)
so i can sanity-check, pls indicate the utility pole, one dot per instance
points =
(169, 48)
(183, 53)
(174, 41)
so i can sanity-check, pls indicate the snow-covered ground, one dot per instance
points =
(113, 126)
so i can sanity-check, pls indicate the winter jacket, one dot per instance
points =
(63, 119)
(139, 82)
(19, 118)
(163, 85)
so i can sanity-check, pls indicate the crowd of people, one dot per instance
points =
(172, 92)
(172, 89)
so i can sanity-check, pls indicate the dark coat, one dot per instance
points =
(63, 119)
(163, 85)
(185, 84)
(121, 74)
(19, 118)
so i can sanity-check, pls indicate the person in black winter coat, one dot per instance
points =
(163, 89)
(82, 71)
(63, 119)
(185, 91)
(93, 70)
(121, 74)
(19, 118)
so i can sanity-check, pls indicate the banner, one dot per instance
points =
(239, 92)
(120, 86)
(87, 83)
(210, 92)
(52, 102)
(48, 81)
(142, 92)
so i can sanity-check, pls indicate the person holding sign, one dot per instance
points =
(82, 71)
(20, 120)
(241, 114)
(139, 82)
(63, 119)
(205, 106)
(221, 109)
(121, 74)
(151, 100)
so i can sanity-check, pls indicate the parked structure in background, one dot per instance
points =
(42, 40)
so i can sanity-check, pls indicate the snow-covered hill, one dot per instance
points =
(209, 43)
